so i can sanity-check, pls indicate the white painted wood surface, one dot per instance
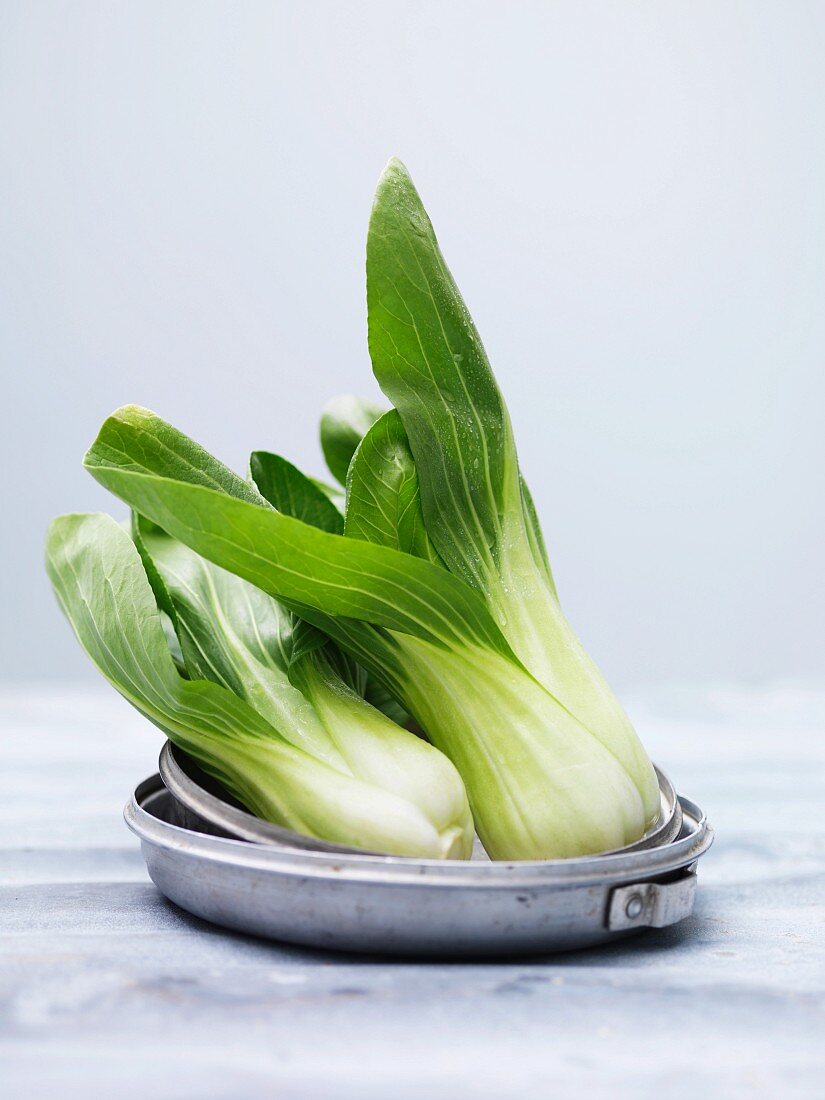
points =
(108, 990)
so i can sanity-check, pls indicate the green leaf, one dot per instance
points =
(344, 422)
(135, 438)
(383, 497)
(292, 493)
(141, 529)
(309, 568)
(235, 635)
(429, 360)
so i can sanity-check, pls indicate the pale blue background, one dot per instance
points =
(631, 196)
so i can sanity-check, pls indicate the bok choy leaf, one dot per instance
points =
(383, 496)
(288, 490)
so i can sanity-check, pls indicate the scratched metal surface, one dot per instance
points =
(106, 989)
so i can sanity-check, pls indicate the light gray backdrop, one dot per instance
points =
(631, 196)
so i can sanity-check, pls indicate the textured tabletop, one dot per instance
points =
(108, 990)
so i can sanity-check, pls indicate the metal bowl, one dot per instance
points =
(207, 807)
(389, 905)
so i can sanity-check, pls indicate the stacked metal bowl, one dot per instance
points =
(213, 858)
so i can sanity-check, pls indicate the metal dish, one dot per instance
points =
(382, 904)
(207, 807)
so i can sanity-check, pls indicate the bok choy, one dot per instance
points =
(432, 596)
(267, 708)
(429, 360)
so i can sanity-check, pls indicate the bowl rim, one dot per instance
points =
(695, 838)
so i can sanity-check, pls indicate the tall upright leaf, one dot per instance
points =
(429, 360)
